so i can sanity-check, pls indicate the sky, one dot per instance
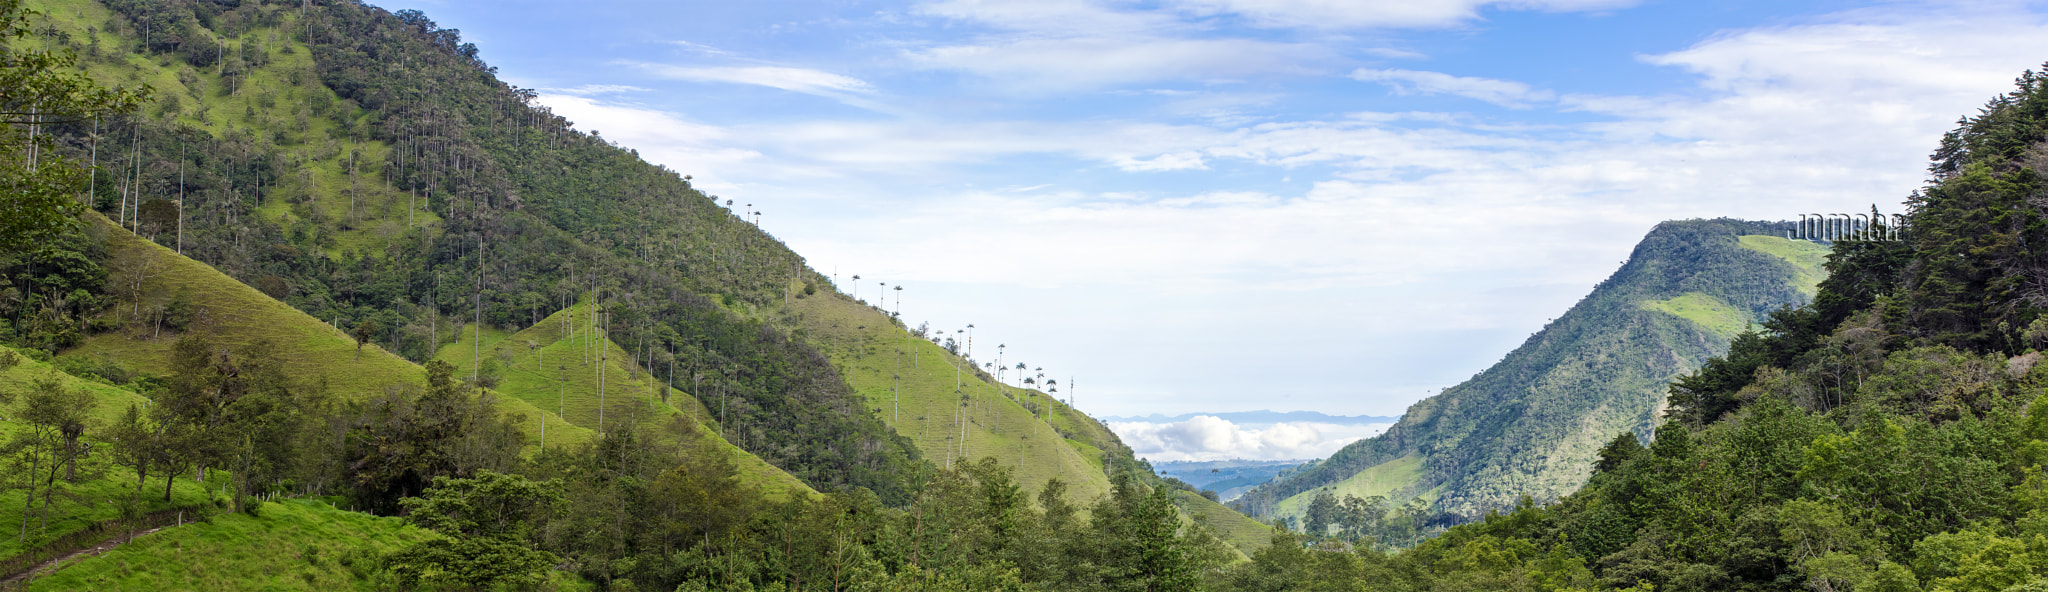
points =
(1178, 206)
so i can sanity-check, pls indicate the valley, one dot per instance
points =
(312, 296)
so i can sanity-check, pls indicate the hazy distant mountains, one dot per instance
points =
(1229, 478)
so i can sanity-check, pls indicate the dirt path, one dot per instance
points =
(18, 579)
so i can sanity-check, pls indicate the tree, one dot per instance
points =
(1141, 549)
(1617, 452)
(1323, 511)
(137, 441)
(703, 497)
(365, 331)
(484, 525)
(51, 446)
(39, 88)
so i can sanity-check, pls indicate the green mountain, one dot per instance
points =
(335, 257)
(1889, 436)
(1531, 424)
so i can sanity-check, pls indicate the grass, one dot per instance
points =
(1727, 321)
(288, 545)
(1806, 257)
(92, 500)
(1707, 311)
(922, 391)
(1388, 479)
(1234, 528)
(560, 374)
(320, 355)
(911, 384)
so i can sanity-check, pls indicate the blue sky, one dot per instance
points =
(1222, 205)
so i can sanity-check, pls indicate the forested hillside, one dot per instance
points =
(333, 257)
(1531, 424)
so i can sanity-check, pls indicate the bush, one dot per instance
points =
(76, 366)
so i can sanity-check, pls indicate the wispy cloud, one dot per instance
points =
(595, 89)
(699, 48)
(1343, 14)
(1042, 65)
(1506, 93)
(661, 137)
(803, 80)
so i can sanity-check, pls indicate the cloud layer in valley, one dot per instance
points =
(1207, 437)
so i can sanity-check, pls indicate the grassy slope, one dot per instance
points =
(1244, 534)
(1727, 320)
(561, 374)
(290, 545)
(237, 314)
(1710, 312)
(869, 350)
(1382, 479)
(911, 383)
(1808, 259)
(94, 499)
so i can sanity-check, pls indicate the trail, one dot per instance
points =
(17, 579)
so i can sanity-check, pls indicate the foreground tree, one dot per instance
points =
(484, 525)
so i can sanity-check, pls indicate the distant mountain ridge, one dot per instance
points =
(1260, 416)
(1531, 424)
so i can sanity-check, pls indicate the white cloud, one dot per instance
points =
(1085, 15)
(661, 137)
(596, 89)
(1042, 46)
(1206, 437)
(1041, 65)
(1349, 14)
(1069, 17)
(1506, 93)
(1178, 161)
(803, 80)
